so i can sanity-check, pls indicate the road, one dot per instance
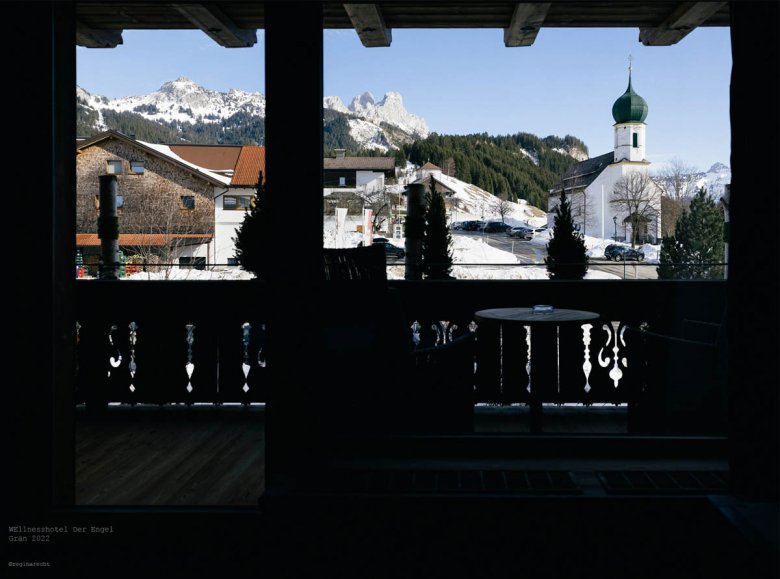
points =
(528, 252)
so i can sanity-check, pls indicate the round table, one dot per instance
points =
(545, 336)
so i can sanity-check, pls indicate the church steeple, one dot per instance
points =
(629, 112)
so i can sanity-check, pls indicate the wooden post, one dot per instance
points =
(108, 228)
(415, 227)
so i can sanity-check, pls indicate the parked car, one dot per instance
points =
(495, 227)
(618, 252)
(472, 225)
(519, 231)
(380, 240)
(393, 251)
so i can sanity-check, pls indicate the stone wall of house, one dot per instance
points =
(152, 201)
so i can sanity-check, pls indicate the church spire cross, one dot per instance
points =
(629, 65)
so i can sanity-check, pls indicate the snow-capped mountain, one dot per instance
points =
(184, 101)
(389, 110)
(714, 180)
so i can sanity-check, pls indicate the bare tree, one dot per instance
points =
(638, 197)
(379, 203)
(583, 211)
(503, 206)
(167, 221)
(677, 181)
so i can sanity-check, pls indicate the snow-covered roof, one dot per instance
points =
(166, 151)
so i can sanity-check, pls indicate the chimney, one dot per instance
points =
(340, 153)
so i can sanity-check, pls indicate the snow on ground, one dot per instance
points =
(473, 257)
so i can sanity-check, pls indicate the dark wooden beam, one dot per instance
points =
(94, 38)
(684, 18)
(369, 24)
(526, 22)
(220, 27)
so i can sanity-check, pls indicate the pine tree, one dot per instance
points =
(566, 255)
(251, 238)
(437, 241)
(697, 242)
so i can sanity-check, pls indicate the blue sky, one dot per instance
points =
(466, 81)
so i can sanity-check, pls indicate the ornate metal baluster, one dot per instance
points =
(587, 366)
(133, 327)
(453, 327)
(115, 362)
(472, 326)
(189, 366)
(416, 327)
(245, 366)
(615, 373)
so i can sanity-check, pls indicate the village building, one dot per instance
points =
(598, 208)
(177, 204)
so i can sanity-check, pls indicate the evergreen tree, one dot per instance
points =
(437, 241)
(251, 238)
(566, 256)
(697, 242)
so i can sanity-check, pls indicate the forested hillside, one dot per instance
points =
(519, 166)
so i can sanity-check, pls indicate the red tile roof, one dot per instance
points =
(211, 157)
(249, 166)
(145, 239)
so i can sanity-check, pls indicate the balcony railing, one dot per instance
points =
(191, 342)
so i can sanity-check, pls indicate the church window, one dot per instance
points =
(636, 139)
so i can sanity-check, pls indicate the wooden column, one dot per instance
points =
(43, 265)
(753, 273)
(293, 58)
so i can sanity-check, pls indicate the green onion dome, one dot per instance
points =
(630, 107)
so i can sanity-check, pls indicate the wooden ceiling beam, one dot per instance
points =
(685, 18)
(94, 38)
(214, 22)
(527, 19)
(369, 24)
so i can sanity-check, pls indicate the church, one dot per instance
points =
(612, 195)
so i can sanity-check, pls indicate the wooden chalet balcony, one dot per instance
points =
(187, 426)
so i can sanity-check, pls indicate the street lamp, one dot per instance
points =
(614, 220)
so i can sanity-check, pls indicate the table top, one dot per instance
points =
(527, 316)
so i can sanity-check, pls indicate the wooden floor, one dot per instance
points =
(164, 456)
(208, 456)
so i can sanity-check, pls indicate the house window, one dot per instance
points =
(236, 202)
(188, 201)
(342, 181)
(636, 139)
(232, 261)
(193, 262)
(114, 167)
(137, 167)
(120, 201)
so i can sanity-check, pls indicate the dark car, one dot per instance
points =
(622, 253)
(472, 225)
(495, 227)
(393, 251)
